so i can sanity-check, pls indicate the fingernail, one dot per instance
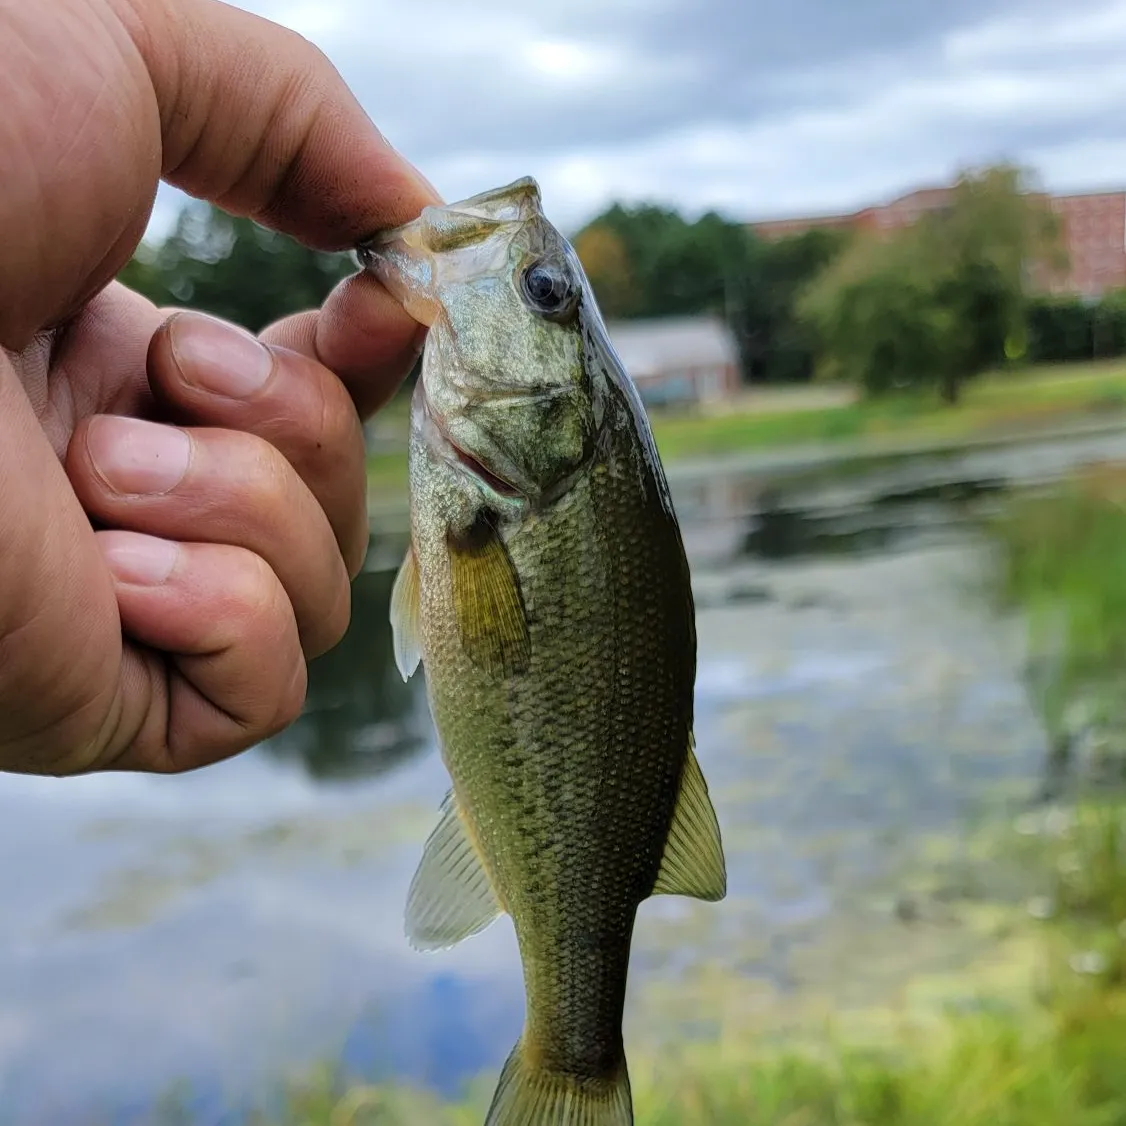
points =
(427, 184)
(137, 559)
(416, 172)
(136, 457)
(219, 357)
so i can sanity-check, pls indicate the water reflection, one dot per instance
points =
(236, 924)
(360, 718)
(888, 517)
(784, 508)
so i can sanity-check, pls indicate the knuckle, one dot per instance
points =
(276, 479)
(280, 704)
(355, 551)
(266, 474)
(253, 592)
(276, 691)
(315, 59)
(291, 700)
(334, 437)
(333, 624)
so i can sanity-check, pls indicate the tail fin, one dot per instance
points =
(532, 1097)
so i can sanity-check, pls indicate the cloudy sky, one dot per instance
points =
(758, 108)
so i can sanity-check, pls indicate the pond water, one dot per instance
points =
(224, 929)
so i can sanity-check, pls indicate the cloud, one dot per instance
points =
(776, 107)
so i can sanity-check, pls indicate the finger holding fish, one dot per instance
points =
(206, 485)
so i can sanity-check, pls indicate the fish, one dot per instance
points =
(546, 595)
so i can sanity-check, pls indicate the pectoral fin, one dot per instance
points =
(693, 863)
(404, 617)
(451, 896)
(487, 600)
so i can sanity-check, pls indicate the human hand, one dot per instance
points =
(181, 505)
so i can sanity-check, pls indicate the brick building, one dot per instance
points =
(1094, 233)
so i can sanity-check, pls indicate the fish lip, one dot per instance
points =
(367, 251)
(466, 461)
(367, 248)
(523, 192)
(478, 204)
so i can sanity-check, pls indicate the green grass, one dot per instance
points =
(1054, 1069)
(1061, 560)
(995, 403)
(1056, 1059)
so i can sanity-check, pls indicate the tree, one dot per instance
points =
(778, 346)
(234, 268)
(996, 236)
(879, 319)
(648, 261)
(607, 265)
(943, 299)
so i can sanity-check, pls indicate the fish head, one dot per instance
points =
(505, 394)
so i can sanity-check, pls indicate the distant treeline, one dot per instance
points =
(234, 269)
(930, 305)
(1067, 329)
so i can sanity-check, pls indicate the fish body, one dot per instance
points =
(547, 595)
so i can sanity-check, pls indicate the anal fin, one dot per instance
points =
(451, 896)
(693, 863)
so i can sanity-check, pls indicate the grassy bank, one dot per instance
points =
(993, 404)
(1057, 1058)
(1061, 561)
(1061, 1069)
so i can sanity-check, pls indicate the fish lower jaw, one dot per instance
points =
(471, 465)
(438, 436)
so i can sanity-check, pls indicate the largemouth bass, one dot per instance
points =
(546, 593)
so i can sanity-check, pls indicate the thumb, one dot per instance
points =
(227, 106)
(257, 120)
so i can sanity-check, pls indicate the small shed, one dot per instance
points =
(678, 359)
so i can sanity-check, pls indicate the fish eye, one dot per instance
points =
(550, 289)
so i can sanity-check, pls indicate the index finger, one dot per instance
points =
(362, 334)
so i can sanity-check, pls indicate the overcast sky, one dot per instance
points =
(757, 108)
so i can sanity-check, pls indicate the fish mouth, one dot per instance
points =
(493, 481)
(498, 484)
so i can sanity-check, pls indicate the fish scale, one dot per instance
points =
(547, 596)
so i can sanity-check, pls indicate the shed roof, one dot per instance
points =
(651, 347)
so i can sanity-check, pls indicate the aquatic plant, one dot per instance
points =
(1043, 1069)
(1056, 1060)
(1061, 562)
